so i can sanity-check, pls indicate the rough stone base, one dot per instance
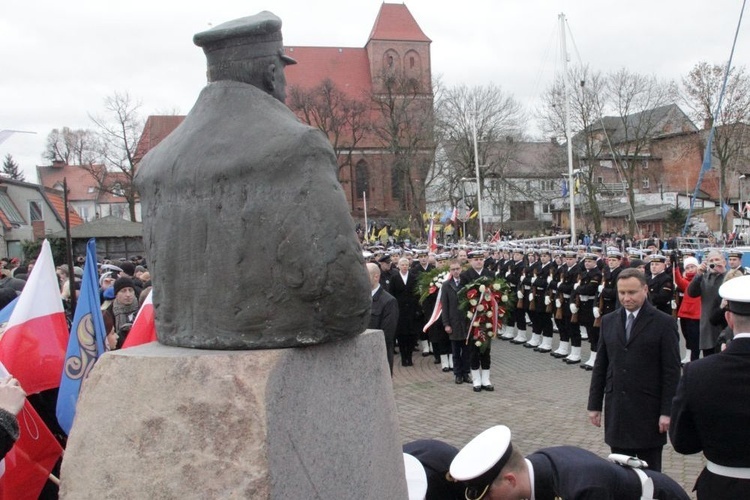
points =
(165, 422)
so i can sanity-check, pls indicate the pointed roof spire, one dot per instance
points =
(395, 22)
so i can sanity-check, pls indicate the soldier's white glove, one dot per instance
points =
(523, 276)
(531, 297)
(573, 308)
(547, 300)
(674, 304)
(520, 294)
(507, 273)
(576, 285)
(558, 303)
(596, 312)
(601, 287)
(549, 279)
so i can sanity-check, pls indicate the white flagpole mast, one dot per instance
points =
(571, 183)
(367, 227)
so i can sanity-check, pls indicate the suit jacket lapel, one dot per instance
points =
(644, 315)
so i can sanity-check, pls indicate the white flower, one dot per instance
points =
(478, 343)
(469, 315)
(482, 288)
(473, 302)
(500, 315)
(480, 307)
(496, 286)
(476, 323)
(488, 314)
(504, 298)
(438, 285)
(488, 326)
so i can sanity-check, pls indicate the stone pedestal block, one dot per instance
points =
(166, 422)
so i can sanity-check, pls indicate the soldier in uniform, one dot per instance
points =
(422, 265)
(709, 410)
(542, 332)
(734, 260)
(492, 468)
(566, 281)
(525, 295)
(479, 361)
(517, 320)
(660, 285)
(585, 295)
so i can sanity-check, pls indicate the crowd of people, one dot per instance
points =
(631, 306)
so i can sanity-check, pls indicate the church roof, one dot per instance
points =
(395, 22)
(348, 67)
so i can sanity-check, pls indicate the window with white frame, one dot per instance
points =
(646, 183)
(35, 211)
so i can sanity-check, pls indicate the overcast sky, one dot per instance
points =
(61, 59)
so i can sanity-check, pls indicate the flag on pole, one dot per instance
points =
(473, 214)
(33, 345)
(144, 326)
(454, 215)
(28, 464)
(495, 237)
(86, 343)
(431, 239)
(725, 209)
(564, 188)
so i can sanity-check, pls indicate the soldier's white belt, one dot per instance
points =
(566, 296)
(527, 287)
(723, 470)
(585, 298)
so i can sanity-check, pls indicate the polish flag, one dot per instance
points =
(27, 466)
(454, 215)
(36, 336)
(436, 311)
(144, 328)
(431, 239)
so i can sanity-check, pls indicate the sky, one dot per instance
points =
(60, 60)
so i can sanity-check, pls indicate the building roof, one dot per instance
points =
(105, 227)
(81, 184)
(156, 129)
(58, 204)
(395, 22)
(658, 122)
(10, 215)
(348, 67)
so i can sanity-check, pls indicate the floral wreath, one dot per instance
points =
(430, 282)
(485, 302)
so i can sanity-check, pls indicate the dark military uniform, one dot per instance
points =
(609, 300)
(661, 291)
(570, 331)
(541, 290)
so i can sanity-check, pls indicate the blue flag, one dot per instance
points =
(86, 342)
(7, 311)
(565, 188)
(725, 209)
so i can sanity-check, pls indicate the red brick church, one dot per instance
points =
(385, 145)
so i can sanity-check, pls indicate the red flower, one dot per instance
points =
(472, 293)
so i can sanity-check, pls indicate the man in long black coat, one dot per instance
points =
(404, 289)
(384, 312)
(710, 410)
(635, 374)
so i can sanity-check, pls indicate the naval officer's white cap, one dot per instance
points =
(481, 460)
(737, 293)
(416, 478)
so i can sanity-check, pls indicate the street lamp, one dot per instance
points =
(739, 202)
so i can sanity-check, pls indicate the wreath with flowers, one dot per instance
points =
(430, 282)
(486, 302)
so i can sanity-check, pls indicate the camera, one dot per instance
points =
(711, 266)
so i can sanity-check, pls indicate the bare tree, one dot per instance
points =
(73, 147)
(404, 124)
(700, 92)
(343, 119)
(639, 104)
(586, 92)
(118, 131)
(496, 118)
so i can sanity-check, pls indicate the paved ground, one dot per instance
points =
(540, 398)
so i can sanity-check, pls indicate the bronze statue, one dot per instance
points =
(247, 229)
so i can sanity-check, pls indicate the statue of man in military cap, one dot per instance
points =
(247, 228)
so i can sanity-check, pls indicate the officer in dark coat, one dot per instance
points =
(492, 468)
(403, 287)
(710, 410)
(479, 361)
(635, 374)
(660, 284)
(436, 457)
(384, 312)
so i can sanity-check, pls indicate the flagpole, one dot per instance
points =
(573, 237)
(367, 228)
(69, 248)
(476, 168)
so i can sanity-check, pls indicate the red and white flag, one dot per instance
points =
(454, 215)
(431, 238)
(36, 336)
(28, 464)
(746, 208)
(436, 311)
(144, 328)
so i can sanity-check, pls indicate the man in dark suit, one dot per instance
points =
(403, 287)
(384, 312)
(636, 373)
(492, 468)
(455, 323)
(709, 412)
